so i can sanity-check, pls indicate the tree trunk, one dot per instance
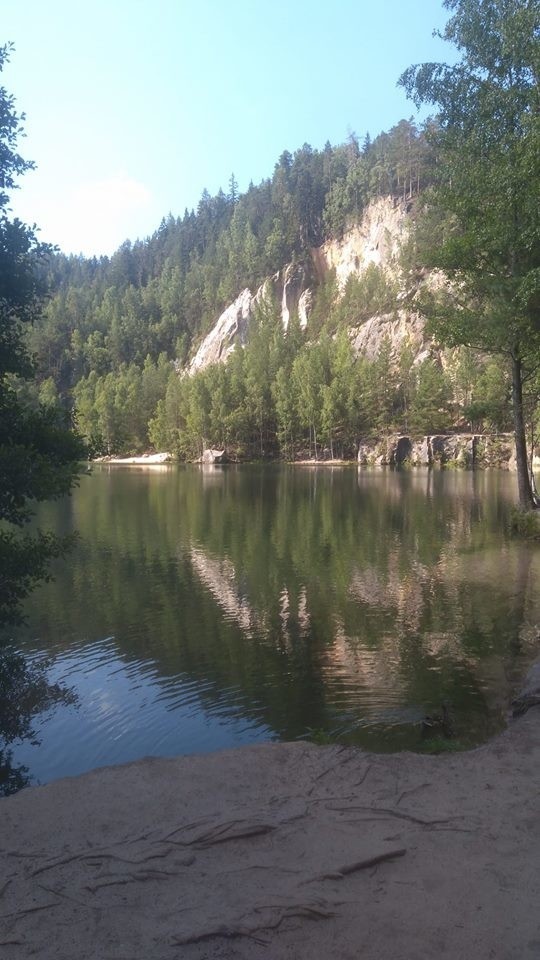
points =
(525, 494)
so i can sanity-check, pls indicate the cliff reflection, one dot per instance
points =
(350, 600)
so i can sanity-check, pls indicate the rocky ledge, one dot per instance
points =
(460, 450)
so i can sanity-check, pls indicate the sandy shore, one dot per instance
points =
(146, 459)
(281, 851)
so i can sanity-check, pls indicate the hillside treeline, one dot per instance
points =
(288, 396)
(116, 331)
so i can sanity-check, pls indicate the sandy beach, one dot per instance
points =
(281, 851)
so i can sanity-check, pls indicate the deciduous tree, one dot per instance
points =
(487, 142)
(38, 452)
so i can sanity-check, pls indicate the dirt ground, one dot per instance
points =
(281, 851)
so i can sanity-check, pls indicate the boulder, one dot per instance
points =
(213, 456)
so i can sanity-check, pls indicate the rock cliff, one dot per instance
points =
(289, 288)
(460, 450)
(375, 241)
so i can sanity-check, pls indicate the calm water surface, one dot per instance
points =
(208, 608)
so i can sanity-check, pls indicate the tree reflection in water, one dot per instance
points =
(25, 693)
(208, 609)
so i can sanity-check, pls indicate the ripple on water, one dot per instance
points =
(195, 615)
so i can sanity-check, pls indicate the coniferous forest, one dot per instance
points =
(100, 349)
(116, 334)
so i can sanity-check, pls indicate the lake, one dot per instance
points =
(205, 608)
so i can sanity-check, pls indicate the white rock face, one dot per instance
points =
(288, 287)
(230, 329)
(294, 288)
(377, 241)
(305, 304)
(400, 328)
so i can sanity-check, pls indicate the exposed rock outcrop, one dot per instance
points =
(230, 329)
(288, 288)
(213, 456)
(294, 292)
(376, 241)
(460, 450)
(398, 328)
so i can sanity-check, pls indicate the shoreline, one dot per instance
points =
(288, 850)
(460, 451)
(145, 459)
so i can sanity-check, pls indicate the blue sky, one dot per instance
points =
(133, 107)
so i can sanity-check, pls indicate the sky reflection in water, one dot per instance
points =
(205, 609)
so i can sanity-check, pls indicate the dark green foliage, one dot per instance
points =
(429, 408)
(487, 196)
(25, 692)
(161, 295)
(399, 163)
(525, 524)
(284, 395)
(117, 331)
(38, 451)
(366, 295)
(114, 411)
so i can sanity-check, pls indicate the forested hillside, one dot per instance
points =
(117, 332)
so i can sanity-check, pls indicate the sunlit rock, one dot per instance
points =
(461, 450)
(213, 456)
(376, 241)
(230, 329)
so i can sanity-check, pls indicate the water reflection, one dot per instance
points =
(25, 695)
(248, 603)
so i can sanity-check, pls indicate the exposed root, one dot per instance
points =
(382, 812)
(63, 861)
(334, 766)
(19, 914)
(65, 896)
(4, 887)
(407, 793)
(349, 868)
(522, 704)
(95, 857)
(121, 881)
(186, 826)
(311, 911)
(233, 830)
(364, 776)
